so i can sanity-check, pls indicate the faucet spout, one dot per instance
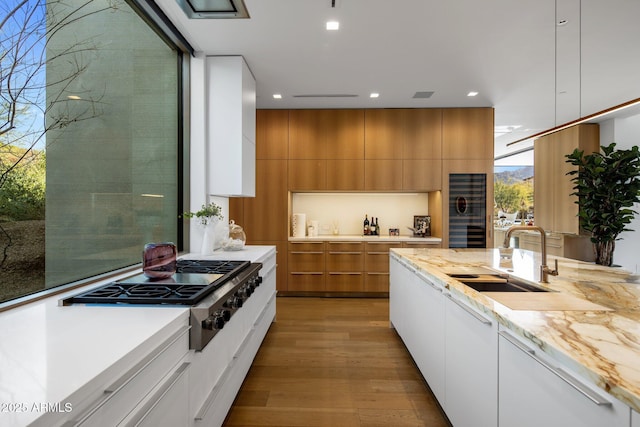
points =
(545, 271)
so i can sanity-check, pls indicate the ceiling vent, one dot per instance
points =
(214, 9)
(422, 95)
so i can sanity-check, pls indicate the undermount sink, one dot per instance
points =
(495, 283)
(508, 286)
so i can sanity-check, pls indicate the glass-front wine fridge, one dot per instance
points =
(467, 210)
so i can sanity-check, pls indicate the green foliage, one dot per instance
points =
(206, 213)
(510, 197)
(22, 194)
(607, 185)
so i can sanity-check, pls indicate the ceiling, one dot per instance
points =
(536, 73)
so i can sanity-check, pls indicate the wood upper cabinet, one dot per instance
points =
(467, 133)
(555, 207)
(421, 175)
(326, 134)
(345, 175)
(383, 175)
(403, 133)
(308, 175)
(272, 134)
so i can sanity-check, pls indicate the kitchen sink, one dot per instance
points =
(508, 286)
(495, 283)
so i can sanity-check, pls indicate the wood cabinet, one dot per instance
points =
(403, 133)
(272, 134)
(382, 175)
(344, 266)
(306, 267)
(265, 216)
(471, 370)
(345, 175)
(467, 133)
(231, 115)
(376, 266)
(421, 245)
(307, 175)
(421, 175)
(555, 207)
(562, 245)
(326, 134)
(535, 390)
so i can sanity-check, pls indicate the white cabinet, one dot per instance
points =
(635, 419)
(153, 389)
(416, 310)
(534, 390)
(231, 127)
(471, 354)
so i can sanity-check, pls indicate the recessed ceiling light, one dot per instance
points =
(333, 25)
(277, 96)
(73, 97)
(374, 95)
(472, 93)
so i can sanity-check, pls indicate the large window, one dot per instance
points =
(106, 102)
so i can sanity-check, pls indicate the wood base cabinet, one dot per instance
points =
(535, 391)
(376, 266)
(306, 267)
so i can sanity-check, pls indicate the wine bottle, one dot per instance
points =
(377, 227)
(366, 226)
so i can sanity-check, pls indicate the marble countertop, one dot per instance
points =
(602, 345)
(361, 238)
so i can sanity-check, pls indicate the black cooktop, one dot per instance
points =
(193, 281)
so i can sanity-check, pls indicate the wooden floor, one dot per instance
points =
(334, 362)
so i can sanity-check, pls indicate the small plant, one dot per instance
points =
(607, 185)
(206, 214)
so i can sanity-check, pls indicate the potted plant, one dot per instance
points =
(607, 184)
(209, 215)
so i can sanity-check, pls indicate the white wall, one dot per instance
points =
(348, 209)
(625, 132)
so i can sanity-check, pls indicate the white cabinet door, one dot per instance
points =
(231, 127)
(417, 312)
(635, 419)
(535, 391)
(471, 366)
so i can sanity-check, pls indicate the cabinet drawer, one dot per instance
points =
(307, 282)
(344, 282)
(345, 262)
(376, 282)
(306, 246)
(376, 262)
(123, 394)
(305, 262)
(349, 247)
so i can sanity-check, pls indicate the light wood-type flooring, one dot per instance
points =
(334, 362)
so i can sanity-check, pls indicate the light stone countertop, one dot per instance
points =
(362, 238)
(604, 346)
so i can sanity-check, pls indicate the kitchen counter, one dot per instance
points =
(50, 355)
(603, 345)
(362, 238)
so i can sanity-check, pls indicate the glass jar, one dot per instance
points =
(237, 238)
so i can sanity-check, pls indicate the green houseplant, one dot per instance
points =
(207, 214)
(607, 184)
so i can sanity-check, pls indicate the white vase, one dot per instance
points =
(208, 238)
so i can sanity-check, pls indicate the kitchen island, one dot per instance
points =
(587, 325)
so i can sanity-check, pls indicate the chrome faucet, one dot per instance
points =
(544, 270)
